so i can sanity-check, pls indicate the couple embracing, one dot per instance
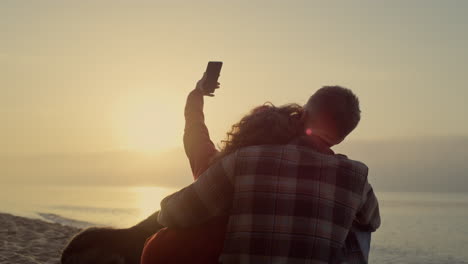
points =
(275, 192)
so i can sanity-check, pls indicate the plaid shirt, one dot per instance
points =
(286, 204)
(200, 150)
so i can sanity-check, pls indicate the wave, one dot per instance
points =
(66, 221)
(96, 210)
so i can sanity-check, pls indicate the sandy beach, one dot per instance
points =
(24, 240)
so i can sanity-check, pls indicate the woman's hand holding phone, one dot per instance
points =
(200, 86)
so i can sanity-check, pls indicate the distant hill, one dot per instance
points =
(432, 164)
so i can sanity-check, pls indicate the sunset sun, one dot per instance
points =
(147, 126)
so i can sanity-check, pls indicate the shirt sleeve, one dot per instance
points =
(210, 195)
(368, 216)
(149, 226)
(197, 143)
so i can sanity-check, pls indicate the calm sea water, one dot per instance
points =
(416, 227)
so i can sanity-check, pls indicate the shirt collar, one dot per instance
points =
(314, 142)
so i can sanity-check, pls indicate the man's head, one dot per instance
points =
(332, 113)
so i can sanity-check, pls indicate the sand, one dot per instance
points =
(24, 240)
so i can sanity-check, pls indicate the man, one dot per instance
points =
(286, 203)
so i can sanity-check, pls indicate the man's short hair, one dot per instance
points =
(335, 107)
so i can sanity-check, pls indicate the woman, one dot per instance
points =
(264, 125)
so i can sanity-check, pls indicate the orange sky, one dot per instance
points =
(101, 75)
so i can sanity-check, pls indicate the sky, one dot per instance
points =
(94, 76)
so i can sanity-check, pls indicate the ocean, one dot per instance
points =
(416, 227)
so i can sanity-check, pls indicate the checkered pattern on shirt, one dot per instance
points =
(287, 204)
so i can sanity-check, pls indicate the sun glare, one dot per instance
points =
(151, 131)
(148, 198)
(150, 126)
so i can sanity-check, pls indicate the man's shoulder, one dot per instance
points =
(358, 166)
(292, 151)
(262, 156)
(283, 150)
(261, 150)
(331, 160)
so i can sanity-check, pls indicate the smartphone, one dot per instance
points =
(212, 74)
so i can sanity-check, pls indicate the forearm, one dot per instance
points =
(210, 195)
(193, 111)
(197, 143)
(150, 225)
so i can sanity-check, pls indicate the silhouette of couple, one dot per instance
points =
(274, 193)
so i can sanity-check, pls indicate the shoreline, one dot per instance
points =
(27, 240)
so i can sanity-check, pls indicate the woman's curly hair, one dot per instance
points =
(264, 125)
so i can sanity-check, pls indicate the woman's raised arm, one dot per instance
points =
(197, 143)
